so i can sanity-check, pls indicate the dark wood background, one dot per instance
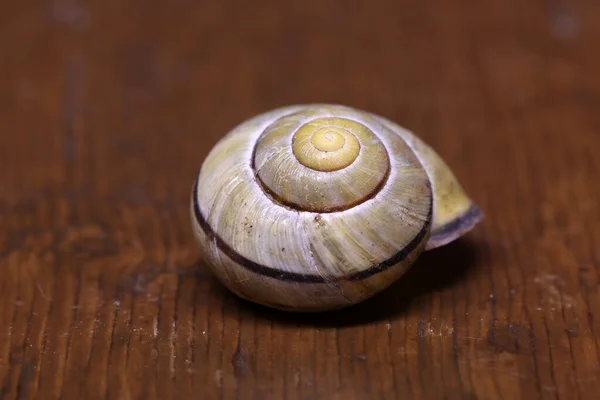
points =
(108, 108)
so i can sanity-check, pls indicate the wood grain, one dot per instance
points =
(108, 109)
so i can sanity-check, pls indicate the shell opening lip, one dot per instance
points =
(451, 231)
(299, 277)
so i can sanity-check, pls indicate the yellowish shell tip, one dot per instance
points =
(327, 140)
(327, 144)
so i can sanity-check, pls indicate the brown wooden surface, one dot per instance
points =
(108, 108)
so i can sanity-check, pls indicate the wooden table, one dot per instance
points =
(108, 109)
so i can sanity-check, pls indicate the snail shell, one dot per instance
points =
(318, 207)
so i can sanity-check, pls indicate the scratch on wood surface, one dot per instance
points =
(443, 330)
(42, 293)
(219, 378)
(555, 297)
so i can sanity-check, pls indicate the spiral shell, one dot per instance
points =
(318, 207)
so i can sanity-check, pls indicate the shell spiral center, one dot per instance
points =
(325, 140)
(327, 144)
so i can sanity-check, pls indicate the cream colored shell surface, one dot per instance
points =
(285, 256)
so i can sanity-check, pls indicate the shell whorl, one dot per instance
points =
(311, 207)
(320, 164)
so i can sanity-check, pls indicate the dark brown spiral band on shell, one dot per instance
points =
(281, 275)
